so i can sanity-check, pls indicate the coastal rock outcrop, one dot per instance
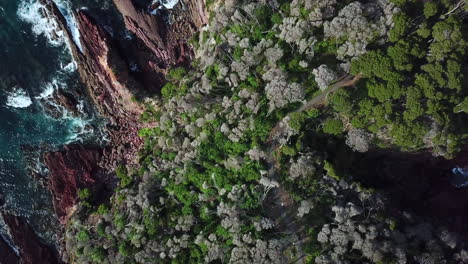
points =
(107, 83)
(111, 86)
(70, 170)
(62, 99)
(31, 249)
(162, 39)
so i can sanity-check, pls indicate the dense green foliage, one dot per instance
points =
(235, 171)
(412, 89)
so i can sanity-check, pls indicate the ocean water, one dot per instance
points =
(34, 62)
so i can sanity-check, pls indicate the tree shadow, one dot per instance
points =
(418, 183)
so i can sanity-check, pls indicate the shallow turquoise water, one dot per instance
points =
(34, 61)
(32, 65)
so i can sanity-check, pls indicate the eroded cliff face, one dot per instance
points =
(72, 169)
(107, 86)
(31, 249)
(162, 39)
(111, 83)
(111, 86)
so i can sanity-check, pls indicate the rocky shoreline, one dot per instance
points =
(112, 86)
(31, 249)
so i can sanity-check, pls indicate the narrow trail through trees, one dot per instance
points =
(282, 206)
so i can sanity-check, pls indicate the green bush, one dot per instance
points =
(125, 249)
(276, 18)
(98, 255)
(102, 209)
(333, 126)
(177, 74)
(84, 194)
(430, 9)
(101, 230)
(150, 223)
(119, 221)
(297, 120)
(83, 236)
(331, 170)
(122, 174)
(169, 90)
(401, 26)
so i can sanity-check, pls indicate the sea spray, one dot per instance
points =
(35, 13)
(66, 10)
(49, 90)
(18, 98)
(163, 4)
(36, 54)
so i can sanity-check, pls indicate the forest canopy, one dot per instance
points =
(246, 150)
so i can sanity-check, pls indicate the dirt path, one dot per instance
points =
(319, 100)
(281, 206)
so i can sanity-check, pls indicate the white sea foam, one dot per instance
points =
(34, 13)
(80, 106)
(65, 8)
(70, 67)
(18, 98)
(77, 125)
(79, 128)
(50, 87)
(167, 4)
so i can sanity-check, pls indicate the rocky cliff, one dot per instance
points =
(31, 249)
(162, 39)
(72, 169)
(112, 86)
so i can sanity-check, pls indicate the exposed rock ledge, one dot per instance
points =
(71, 169)
(110, 85)
(31, 249)
(163, 45)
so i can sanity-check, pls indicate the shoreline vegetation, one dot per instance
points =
(304, 131)
(250, 156)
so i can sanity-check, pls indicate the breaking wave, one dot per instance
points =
(18, 98)
(70, 67)
(65, 8)
(167, 4)
(50, 87)
(34, 13)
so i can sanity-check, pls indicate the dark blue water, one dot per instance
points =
(34, 61)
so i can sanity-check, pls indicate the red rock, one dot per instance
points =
(31, 249)
(61, 98)
(107, 84)
(166, 45)
(110, 85)
(72, 169)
